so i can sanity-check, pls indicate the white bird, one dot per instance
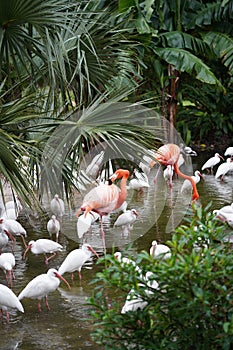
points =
(4, 238)
(187, 150)
(53, 227)
(8, 299)
(160, 251)
(187, 184)
(211, 162)
(12, 209)
(226, 218)
(146, 160)
(14, 228)
(168, 174)
(139, 182)
(57, 206)
(125, 261)
(40, 286)
(224, 168)
(229, 151)
(126, 220)
(9, 214)
(223, 212)
(7, 263)
(134, 300)
(94, 167)
(76, 259)
(43, 246)
(84, 223)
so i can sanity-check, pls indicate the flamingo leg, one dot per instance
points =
(102, 233)
(170, 186)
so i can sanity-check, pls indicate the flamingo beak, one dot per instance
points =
(93, 251)
(113, 177)
(27, 249)
(62, 279)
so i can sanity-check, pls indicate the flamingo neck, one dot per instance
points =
(179, 173)
(123, 192)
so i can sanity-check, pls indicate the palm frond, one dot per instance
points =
(222, 45)
(209, 13)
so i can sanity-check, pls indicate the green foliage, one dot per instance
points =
(204, 111)
(191, 309)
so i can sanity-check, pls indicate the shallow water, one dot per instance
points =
(65, 326)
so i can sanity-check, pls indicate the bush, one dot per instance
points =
(192, 309)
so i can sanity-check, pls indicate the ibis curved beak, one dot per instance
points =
(93, 251)
(62, 279)
(26, 250)
(202, 176)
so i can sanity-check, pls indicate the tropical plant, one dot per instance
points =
(192, 306)
(181, 37)
(64, 55)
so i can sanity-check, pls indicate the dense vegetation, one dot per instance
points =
(59, 58)
(62, 64)
(192, 306)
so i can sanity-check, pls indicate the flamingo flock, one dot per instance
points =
(104, 199)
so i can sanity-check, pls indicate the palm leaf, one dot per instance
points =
(222, 45)
(210, 13)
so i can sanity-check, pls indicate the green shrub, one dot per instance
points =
(192, 309)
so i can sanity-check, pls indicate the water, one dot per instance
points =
(65, 326)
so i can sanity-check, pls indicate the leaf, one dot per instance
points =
(185, 61)
(222, 45)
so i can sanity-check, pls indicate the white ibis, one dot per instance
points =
(76, 259)
(84, 222)
(229, 151)
(14, 228)
(7, 263)
(94, 167)
(160, 251)
(43, 246)
(125, 261)
(224, 168)
(134, 300)
(187, 184)
(9, 214)
(126, 220)
(4, 238)
(53, 227)
(40, 286)
(57, 206)
(139, 182)
(8, 299)
(223, 212)
(211, 162)
(187, 150)
(12, 209)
